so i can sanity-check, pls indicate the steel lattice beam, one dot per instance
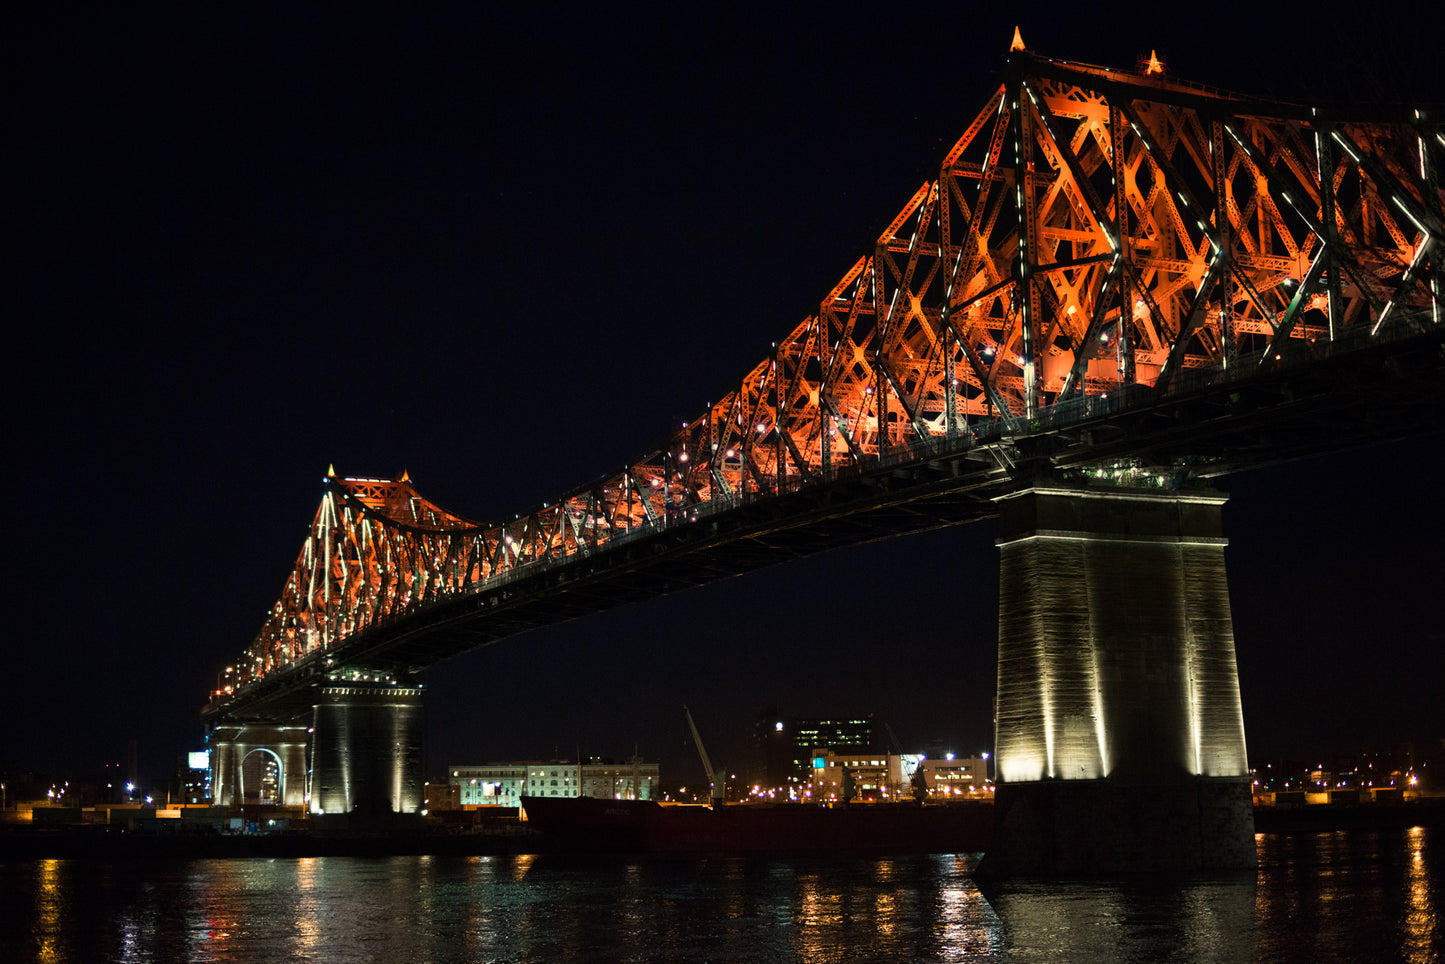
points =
(1094, 234)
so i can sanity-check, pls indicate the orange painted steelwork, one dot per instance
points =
(1092, 230)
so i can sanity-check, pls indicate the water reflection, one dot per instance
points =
(49, 910)
(969, 927)
(137, 926)
(1359, 895)
(520, 866)
(309, 908)
(1354, 896)
(1193, 918)
(1423, 936)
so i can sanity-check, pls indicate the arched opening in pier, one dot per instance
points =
(261, 778)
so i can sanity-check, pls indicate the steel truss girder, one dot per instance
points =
(1091, 231)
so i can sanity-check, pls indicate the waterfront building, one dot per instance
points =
(441, 797)
(633, 780)
(879, 777)
(951, 776)
(193, 778)
(782, 750)
(490, 785)
(873, 777)
(503, 784)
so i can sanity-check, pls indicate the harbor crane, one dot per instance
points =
(718, 777)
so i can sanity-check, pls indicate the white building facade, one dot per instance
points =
(889, 776)
(503, 784)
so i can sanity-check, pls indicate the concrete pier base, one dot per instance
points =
(366, 749)
(1119, 735)
(1074, 828)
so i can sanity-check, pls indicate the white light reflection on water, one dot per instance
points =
(969, 929)
(309, 910)
(1144, 920)
(137, 925)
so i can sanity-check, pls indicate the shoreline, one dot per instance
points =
(103, 843)
(1329, 817)
(86, 843)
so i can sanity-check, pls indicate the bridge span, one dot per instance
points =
(1118, 288)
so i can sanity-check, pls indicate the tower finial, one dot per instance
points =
(1018, 43)
(331, 471)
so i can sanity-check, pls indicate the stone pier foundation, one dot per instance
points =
(1119, 733)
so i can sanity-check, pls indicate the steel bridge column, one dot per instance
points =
(366, 749)
(1119, 732)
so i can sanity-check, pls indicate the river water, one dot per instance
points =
(1346, 896)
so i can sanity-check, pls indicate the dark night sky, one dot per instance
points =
(506, 253)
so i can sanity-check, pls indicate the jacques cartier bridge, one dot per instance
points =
(1119, 287)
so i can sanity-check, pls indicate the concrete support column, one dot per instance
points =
(366, 754)
(226, 765)
(291, 750)
(1119, 733)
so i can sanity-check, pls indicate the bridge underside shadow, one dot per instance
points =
(1120, 736)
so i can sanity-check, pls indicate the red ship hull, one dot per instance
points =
(643, 826)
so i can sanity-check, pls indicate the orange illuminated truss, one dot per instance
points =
(1092, 231)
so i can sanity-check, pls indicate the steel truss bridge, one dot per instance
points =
(1116, 277)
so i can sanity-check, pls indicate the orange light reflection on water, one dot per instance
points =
(49, 908)
(1422, 921)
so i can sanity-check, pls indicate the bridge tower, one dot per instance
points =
(1119, 732)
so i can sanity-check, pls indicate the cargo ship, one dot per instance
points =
(590, 825)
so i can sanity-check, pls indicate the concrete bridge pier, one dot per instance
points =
(246, 757)
(366, 747)
(1119, 732)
